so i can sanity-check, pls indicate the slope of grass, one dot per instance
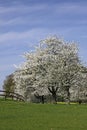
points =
(24, 116)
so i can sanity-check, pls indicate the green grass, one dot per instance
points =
(23, 116)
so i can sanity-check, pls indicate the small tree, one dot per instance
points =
(9, 84)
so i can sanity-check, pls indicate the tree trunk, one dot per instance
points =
(54, 98)
(53, 91)
(68, 96)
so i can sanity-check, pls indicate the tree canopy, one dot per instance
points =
(53, 67)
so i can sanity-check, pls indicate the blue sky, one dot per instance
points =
(23, 23)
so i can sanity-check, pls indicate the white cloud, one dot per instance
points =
(13, 21)
(25, 14)
(71, 8)
(29, 35)
(20, 14)
(35, 34)
(22, 8)
(20, 21)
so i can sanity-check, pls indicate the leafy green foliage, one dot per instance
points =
(9, 83)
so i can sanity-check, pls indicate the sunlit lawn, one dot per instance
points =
(24, 116)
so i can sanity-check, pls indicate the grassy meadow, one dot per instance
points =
(25, 116)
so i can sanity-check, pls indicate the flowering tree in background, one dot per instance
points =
(53, 67)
